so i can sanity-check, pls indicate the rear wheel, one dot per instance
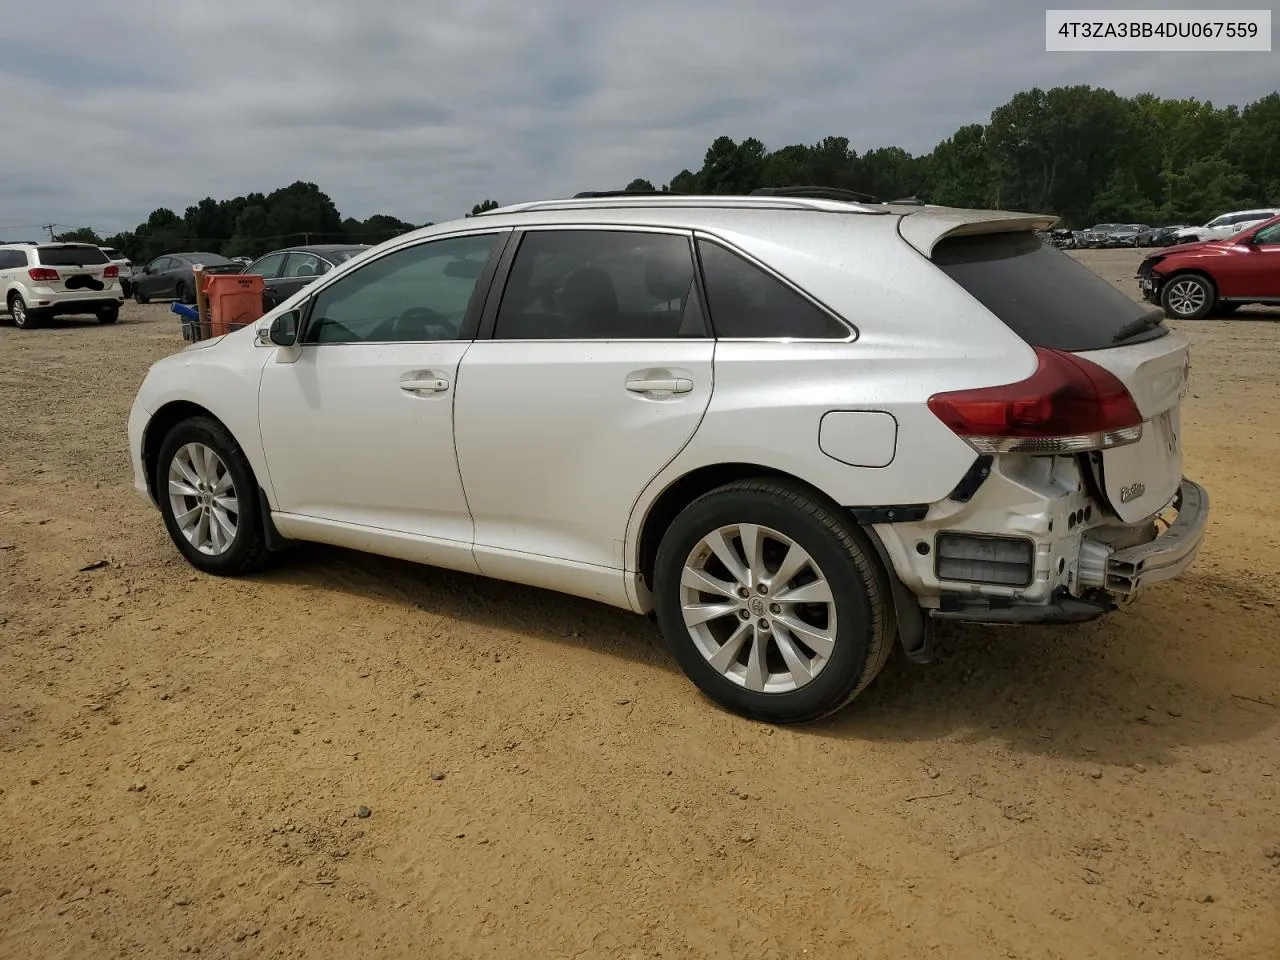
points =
(772, 601)
(23, 318)
(1188, 296)
(109, 313)
(180, 293)
(138, 295)
(208, 498)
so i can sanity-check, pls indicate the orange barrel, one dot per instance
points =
(235, 299)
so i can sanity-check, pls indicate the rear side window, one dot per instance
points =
(71, 256)
(746, 302)
(12, 258)
(1043, 295)
(600, 285)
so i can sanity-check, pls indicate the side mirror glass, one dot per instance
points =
(284, 329)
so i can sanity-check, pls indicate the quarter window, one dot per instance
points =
(268, 267)
(746, 302)
(12, 258)
(600, 285)
(418, 293)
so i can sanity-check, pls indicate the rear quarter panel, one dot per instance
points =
(918, 333)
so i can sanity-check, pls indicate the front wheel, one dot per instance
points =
(772, 601)
(208, 498)
(1188, 297)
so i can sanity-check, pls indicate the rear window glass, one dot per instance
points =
(1046, 297)
(71, 256)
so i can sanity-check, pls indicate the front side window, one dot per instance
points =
(1268, 235)
(747, 303)
(418, 293)
(600, 285)
(268, 267)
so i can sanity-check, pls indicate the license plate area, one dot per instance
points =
(1139, 479)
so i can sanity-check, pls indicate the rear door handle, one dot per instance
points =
(428, 385)
(670, 385)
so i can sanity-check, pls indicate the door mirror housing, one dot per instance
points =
(284, 328)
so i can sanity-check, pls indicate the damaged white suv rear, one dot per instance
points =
(798, 429)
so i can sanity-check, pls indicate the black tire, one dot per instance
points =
(1188, 296)
(23, 318)
(248, 550)
(126, 288)
(859, 588)
(109, 314)
(138, 296)
(181, 295)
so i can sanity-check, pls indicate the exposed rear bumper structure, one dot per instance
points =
(1169, 554)
(1109, 577)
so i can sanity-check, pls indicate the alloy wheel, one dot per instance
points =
(758, 608)
(1186, 297)
(203, 498)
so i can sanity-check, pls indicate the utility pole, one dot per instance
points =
(49, 227)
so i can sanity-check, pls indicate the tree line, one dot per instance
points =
(1084, 153)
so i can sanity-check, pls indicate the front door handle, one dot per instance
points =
(427, 385)
(663, 385)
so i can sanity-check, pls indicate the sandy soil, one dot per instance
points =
(182, 757)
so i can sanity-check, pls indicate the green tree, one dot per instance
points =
(639, 186)
(484, 206)
(80, 235)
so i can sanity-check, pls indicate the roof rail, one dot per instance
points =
(816, 193)
(622, 201)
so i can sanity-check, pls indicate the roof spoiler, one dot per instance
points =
(924, 229)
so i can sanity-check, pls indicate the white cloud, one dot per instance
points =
(420, 110)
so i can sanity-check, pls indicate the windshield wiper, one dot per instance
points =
(1148, 321)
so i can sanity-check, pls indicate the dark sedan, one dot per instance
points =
(171, 277)
(287, 271)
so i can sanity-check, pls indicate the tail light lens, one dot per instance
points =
(111, 272)
(1068, 405)
(42, 274)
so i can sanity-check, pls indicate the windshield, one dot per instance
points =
(71, 256)
(1043, 295)
(112, 252)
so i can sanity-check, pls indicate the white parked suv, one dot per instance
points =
(125, 269)
(797, 430)
(43, 280)
(1227, 225)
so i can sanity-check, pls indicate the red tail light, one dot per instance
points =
(1068, 405)
(42, 274)
(111, 272)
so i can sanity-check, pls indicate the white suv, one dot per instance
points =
(43, 280)
(1227, 225)
(124, 267)
(797, 430)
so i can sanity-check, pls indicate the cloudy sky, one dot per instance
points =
(420, 109)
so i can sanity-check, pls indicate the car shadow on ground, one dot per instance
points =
(479, 601)
(1118, 691)
(1125, 690)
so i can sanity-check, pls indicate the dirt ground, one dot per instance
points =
(182, 757)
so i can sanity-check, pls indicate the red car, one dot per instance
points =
(1193, 280)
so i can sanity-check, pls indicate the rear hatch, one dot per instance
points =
(1051, 300)
(73, 268)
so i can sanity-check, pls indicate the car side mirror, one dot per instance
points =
(284, 328)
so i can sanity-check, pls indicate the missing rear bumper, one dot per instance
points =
(1168, 555)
